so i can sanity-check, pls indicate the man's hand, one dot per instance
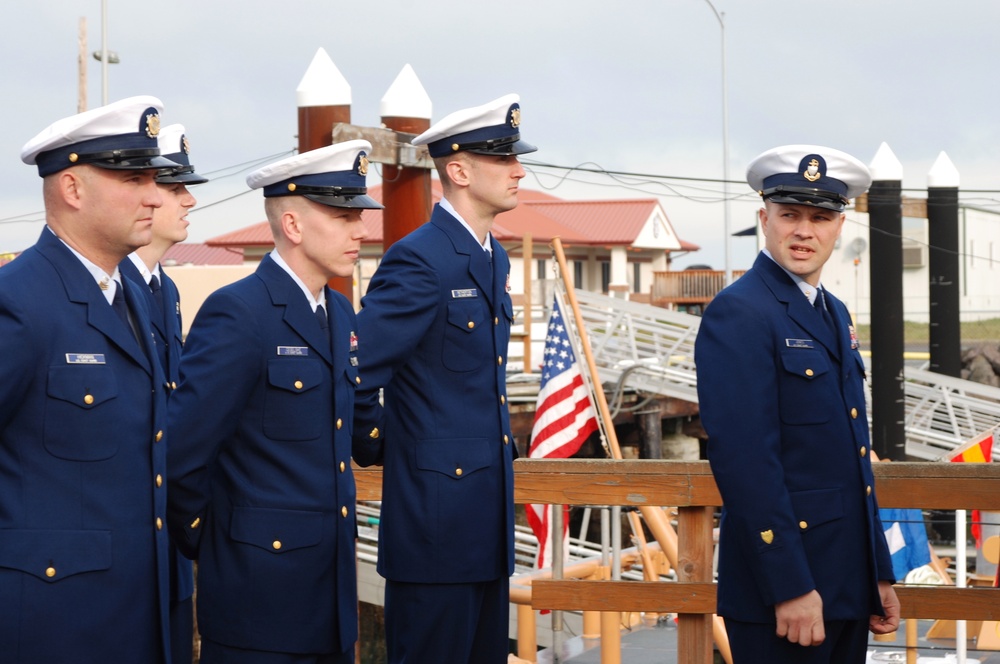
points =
(890, 604)
(800, 620)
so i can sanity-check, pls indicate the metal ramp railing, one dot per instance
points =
(943, 412)
(651, 349)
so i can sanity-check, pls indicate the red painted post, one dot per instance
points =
(324, 99)
(406, 191)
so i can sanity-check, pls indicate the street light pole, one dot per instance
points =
(104, 55)
(725, 144)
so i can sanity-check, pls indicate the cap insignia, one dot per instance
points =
(515, 117)
(153, 125)
(363, 165)
(812, 172)
(185, 145)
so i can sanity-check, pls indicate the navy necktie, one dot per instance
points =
(324, 324)
(820, 304)
(154, 285)
(120, 307)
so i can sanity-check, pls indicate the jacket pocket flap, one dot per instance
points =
(807, 363)
(276, 530)
(455, 457)
(818, 506)
(294, 375)
(53, 555)
(466, 315)
(86, 386)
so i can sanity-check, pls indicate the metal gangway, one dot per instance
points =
(651, 350)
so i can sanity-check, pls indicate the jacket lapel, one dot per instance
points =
(501, 270)
(297, 314)
(466, 245)
(841, 323)
(797, 304)
(341, 342)
(82, 289)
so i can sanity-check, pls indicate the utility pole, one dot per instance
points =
(81, 63)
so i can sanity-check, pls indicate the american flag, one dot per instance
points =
(564, 418)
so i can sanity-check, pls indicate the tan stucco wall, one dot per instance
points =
(196, 282)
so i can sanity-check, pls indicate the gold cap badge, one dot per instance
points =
(363, 165)
(153, 125)
(812, 171)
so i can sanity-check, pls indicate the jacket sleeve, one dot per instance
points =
(219, 368)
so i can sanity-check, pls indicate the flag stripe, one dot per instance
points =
(977, 450)
(564, 418)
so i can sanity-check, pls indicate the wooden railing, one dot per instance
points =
(690, 488)
(688, 286)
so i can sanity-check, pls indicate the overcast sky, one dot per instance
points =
(626, 86)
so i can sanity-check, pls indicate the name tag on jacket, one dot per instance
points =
(464, 292)
(84, 358)
(293, 350)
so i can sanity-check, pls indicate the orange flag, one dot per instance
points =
(977, 450)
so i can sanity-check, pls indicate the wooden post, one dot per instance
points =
(611, 637)
(406, 192)
(324, 99)
(527, 257)
(695, 565)
(527, 634)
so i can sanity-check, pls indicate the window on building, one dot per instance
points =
(605, 276)
(636, 278)
(578, 274)
(541, 273)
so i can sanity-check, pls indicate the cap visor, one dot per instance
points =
(135, 164)
(804, 199)
(360, 201)
(180, 178)
(517, 147)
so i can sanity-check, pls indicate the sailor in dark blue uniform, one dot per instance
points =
(435, 326)
(261, 489)
(83, 540)
(143, 266)
(804, 569)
